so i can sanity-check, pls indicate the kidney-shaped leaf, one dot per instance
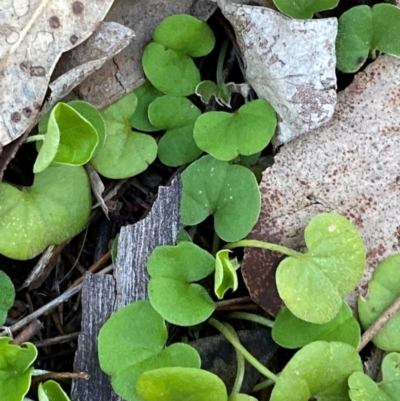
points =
(362, 30)
(178, 354)
(318, 371)
(186, 34)
(55, 208)
(131, 335)
(226, 135)
(313, 285)
(70, 139)
(51, 391)
(229, 192)
(125, 153)
(7, 295)
(383, 290)
(363, 388)
(181, 384)
(171, 72)
(15, 369)
(304, 9)
(173, 269)
(145, 94)
(291, 332)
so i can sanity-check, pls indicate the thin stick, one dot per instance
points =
(379, 323)
(56, 340)
(33, 327)
(60, 375)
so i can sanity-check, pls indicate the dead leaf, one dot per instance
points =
(351, 167)
(290, 63)
(34, 34)
(97, 188)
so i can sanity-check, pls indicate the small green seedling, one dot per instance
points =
(167, 62)
(225, 273)
(313, 284)
(206, 90)
(177, 116)
(181, 384)
(7, 296)
(304, 9)
(15, 369)
(305, 376)
(363, 388)
(291, 332)
(213, 187)
(145, 94)
(383, 290)
(173, 271)
(132, 342)
(363, 31)
(245, 132)
(56, 207)
(126, 153)
(51, 391)
(71, 133)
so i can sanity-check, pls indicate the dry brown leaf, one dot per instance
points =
(34, 34)
(291, 63)
(351, 167)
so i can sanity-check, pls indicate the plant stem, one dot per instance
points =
(220, 63)
(252, 317)
(264, 384)
(372, 54)
(246, 354)
(34, 138)
(379, 323)
(253, 243)
(240, 364)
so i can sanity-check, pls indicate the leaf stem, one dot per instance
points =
(264, 384)
(220, 63)
(215, 245)
(252, 317)
(35, 138)
(240, 364)
(253, 243)
(246, 354)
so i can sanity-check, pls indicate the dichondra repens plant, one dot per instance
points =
(313, 285)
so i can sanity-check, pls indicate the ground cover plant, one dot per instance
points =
(120, 142)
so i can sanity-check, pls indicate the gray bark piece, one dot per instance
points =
(103, 295)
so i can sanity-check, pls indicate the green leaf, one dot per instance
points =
(176, 355)
(51, 391)
(15, 369)
(145, 94)
(363, 30)
(304, 9)
(114, 249)
(229, 192)
(70, 139)
(186, 34)
(176, 115)
(171, 72)
(181, 384)
(91, 114)
(7, 295)
(241, 397)
(131, 335)
(291, 332)
(222, 93)
(226, 135)
(183, 235)
(173, 269)
(225, 273)
(168, 112)
(55, 208)
(313, 285)
(318, 371)
(362, 388)
(383, 290)
(125, 153)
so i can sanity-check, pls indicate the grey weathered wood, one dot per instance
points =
(102, 295)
